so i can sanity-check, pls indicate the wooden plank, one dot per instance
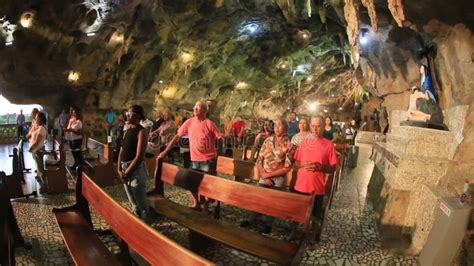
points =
(104, 173)
(253, 243)
(151, 245)
(242, 169)
(281, 204)
(83, 244)
(56, 175)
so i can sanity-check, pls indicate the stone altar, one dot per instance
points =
(404, 186)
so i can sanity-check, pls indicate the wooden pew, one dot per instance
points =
(56, 174)
(246, 169)
(10, 235)
(104, 173)
(276, 203)
(85, 246)
(14, 182)
(242, 170)
(150, 163)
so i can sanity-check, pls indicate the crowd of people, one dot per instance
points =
(304, 144)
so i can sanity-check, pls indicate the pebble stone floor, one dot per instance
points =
(349, 238)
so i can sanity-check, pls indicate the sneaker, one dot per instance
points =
(266, 230)
(245, 223)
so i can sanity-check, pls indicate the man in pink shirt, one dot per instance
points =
(202, 134)
(314, 158)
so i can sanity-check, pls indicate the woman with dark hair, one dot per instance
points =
(330, 131)
(131, 167)
(32, 128)
(266, 131)
(38, 136)
(73, 134)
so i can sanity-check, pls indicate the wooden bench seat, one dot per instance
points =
(85, 246)
(10, 235)
(276, 203)
(242, 239)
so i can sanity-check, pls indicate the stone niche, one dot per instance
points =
(405, 184)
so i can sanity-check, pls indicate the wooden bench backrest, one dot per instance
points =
(151, 245)
(281, 204)
(245, 169)
(102, 149)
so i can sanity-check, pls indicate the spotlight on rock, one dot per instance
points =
(26, 19)
(364, 37)
(313, 106)
(242, 85)
(186, 58)
(73, 76)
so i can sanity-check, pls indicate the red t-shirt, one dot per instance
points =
(238, 128)
(318, 150)
(202, 138)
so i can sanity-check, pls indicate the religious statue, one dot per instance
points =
(426, 82)
(417, 100)
(422, 108)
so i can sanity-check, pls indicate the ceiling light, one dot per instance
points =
(333, 80)
(26, 19)
(340, 108)
(326, 110)
(186, 58)
(8, 43)
(73, 76)
(242, 85)
(161, 81)
(322, 68)
(364, 37)
(312, 106)
(90, 34)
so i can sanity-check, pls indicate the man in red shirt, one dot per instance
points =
(239, 129)
(202, 134)
(314, 158)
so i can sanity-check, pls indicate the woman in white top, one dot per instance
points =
(73, 133)
(38, 136)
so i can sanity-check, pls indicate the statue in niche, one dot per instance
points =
(417, 100)
(423, 110)
(426, 82)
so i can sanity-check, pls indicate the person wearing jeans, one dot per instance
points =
(131, 167)
(202, 134)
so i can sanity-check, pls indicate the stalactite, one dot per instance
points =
(396, 8)
(288, 8)
(370, 5)
(308, 7)
(351, 13)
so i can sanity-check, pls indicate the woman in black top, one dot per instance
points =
(131, 167)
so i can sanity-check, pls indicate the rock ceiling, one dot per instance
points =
(254, 57)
